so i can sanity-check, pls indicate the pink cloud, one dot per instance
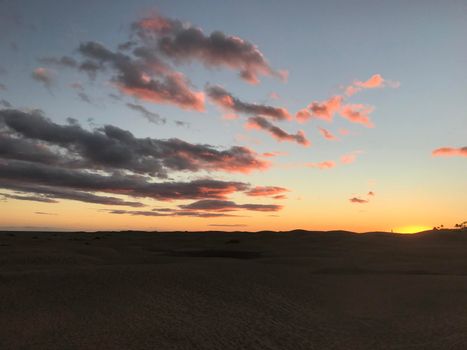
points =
(351, 90)
(182, 42)
(349, 157)
(266, 191)
(327, 135)
(321, 110)
(450, 152)
(230, 116)
(242, 138)
(156, 24)
(274, 96)
(273, 154)
(375, 81)
(280, 196)
(357, 113)
(322, 165)
(344, 132)
(44, 76)
(173, 89)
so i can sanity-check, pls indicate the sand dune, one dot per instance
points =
(297, 290)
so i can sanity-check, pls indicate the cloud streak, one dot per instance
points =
(266, 191)
(329, 164)
(225, 100)
(226, 206)
(150, 116)
(278, 133)
(327, 134)
(357, 200)
(374, 82)
(450, 152)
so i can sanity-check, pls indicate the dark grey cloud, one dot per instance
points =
(182, 124)
(51, 193)
(110, 147)
(5, 103)
(128, 45)
(90, 67)
(84, 97)
(224, 99)
(115, 97)
(28, 198)
(43, 160)
(358, 200)
(64, 61)
(21, 172)
(223, 205)
(276, 132)
(171, 213)
(3, 87)
(135, 76)
(150, 116)
(24, 149)
(181, 42)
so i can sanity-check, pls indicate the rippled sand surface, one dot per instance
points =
(298, 290)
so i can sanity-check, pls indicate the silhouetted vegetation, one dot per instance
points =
(462, 226)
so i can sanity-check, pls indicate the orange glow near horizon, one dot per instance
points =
(412, 229)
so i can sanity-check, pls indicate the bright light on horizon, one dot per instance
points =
(412, 229)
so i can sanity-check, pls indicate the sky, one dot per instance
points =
(233, 115)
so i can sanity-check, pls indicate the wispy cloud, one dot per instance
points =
(349, 157)
(225, 206)
(358, 113)
(227, 101)
(150, 116)
(321, 110)
(450, 152)
(322, 165)
(44, 76)
(266, 191)
(278, 133)
(327, 134)
(358, 200)
(375, 81)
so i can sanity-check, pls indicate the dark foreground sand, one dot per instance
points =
(233, 291)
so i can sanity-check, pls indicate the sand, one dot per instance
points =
(297, 290)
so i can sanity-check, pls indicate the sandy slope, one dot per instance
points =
(232, 291)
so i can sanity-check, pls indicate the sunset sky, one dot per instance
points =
(233, 115)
